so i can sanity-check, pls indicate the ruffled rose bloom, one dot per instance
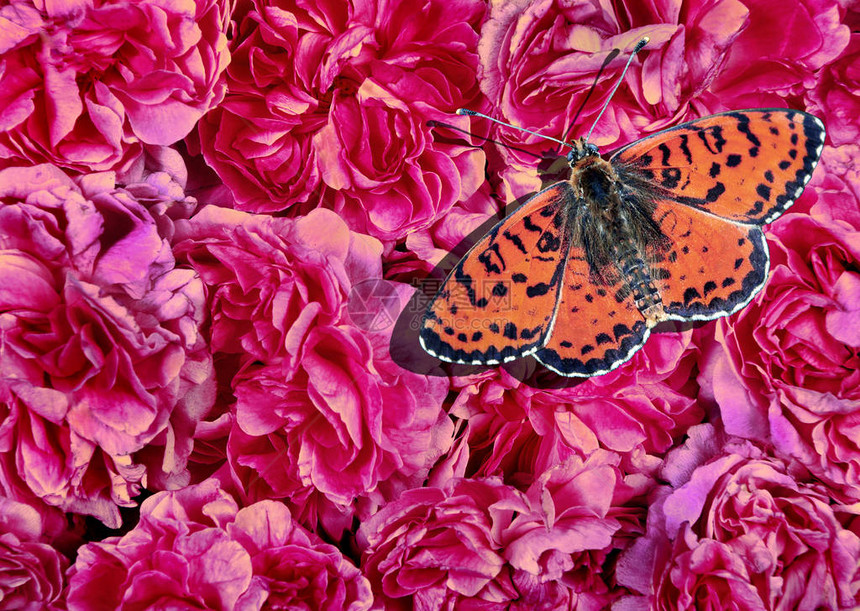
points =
(104, 369)
(195, 548)
(779, 54)
(836, 96)
(635, 411)
(31, 571)
(740, 529)
(272, 279)
(310, 86)
(481, 542)
(786, 370)
(322, 414)
(89, 86)
(540, 59)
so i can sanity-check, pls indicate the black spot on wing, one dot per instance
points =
(690, 294)
(516, 241)
(715, 192)
(715, 170)
(685, 148)
(666, 152)
(733, 160)
(527, 223)
(670, 177)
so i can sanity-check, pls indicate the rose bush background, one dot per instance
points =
(215, 216)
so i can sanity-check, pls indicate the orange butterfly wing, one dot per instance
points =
(746, 166)
(498, 303)
(597, 325)
(707, 267)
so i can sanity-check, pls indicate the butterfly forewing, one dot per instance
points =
(746, 166)
(498, 302)
(597, 324)
(706, 267)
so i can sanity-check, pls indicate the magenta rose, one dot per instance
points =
(779, 54)
(31, 571)
(272, 279)
(322, 413)
(540, 59)
(636, 411)
(310, 86)
(836, 96)
(194, 548)
(740, 529)
(483, 543)
(105, 370)
(347, 423)
(786, 370)
(92, 86)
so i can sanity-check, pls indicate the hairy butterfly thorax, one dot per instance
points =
(667, 228)
(608, 218)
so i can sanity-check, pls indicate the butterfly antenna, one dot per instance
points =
(636, 50)
(474, 113)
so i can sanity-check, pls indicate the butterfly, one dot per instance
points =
(668, 228)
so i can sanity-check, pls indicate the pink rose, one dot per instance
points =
(105, 371)
(319, 81)
(636, 411)
(540, 60)
(347, 423)
(740, 528)
(272, 279)
(836, 93)
(322, 414)
(786, 370)
(31, 571)
(835, 189)
(94, 85)
(480, 542)
(196, 548)
(778, 55)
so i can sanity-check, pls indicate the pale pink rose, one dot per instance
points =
(95, 85)
(786, 370)
(540, 59)
(777, 57)
(836, 95)
(740, 529)
(31, 571)
(477, 543)
(311, 86)
(196, 548)
(105, 371)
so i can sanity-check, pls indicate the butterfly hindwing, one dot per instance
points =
(706, 267)
(499, 301)
(597, 325)
(747, 166)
